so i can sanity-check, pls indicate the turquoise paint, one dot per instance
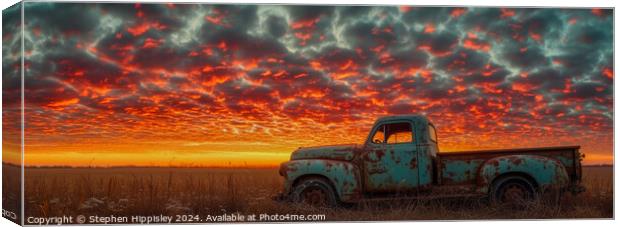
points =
(427, 152)
(390, 167)
(460, 171)
(344, 176)
(391, 171)
(545, 171)
(335, 152)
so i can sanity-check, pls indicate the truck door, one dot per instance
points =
(390, 158)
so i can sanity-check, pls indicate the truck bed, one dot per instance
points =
(461, 168)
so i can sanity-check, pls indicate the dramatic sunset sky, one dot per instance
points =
(236, 85)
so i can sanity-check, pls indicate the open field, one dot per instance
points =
(212, 191)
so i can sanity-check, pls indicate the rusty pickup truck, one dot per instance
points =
(400, 158)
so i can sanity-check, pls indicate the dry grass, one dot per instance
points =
(11, 194)
(169, 191)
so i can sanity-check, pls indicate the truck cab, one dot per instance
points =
(398, 154)
(401, 158)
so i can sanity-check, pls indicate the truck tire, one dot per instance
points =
(316, 192)
(512, 190)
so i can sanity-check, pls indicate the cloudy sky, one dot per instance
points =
(191, 84)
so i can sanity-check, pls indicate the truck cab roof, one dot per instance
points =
(413, 117)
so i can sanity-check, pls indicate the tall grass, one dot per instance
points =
(170, 191)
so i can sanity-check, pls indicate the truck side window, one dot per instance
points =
(399, 133)
(395, 133)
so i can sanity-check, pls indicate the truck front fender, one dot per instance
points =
(343, 175)
(545, 171)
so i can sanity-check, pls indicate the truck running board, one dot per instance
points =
(424, 197)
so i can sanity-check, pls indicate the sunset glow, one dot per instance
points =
(244, 85)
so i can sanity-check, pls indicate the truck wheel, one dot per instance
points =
(315, 192)
(513, 190)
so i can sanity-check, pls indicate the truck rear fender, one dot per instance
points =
(343, 176)
(546, 172)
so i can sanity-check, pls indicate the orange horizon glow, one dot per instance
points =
(194, 157)
(230, 160)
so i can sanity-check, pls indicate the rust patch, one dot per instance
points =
(328, 165)
(286, 168)
(516, 161)
(380, 154)
(414, 163)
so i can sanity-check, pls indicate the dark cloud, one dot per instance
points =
(525, 58)
(67, 19)
(11, 62)
(426, 14)
(276, 26)
(589, 91)
(309, 12)
(437, 43)
(462, 61)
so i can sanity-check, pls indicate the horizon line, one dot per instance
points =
(188, 167)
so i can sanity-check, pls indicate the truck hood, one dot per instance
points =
(332, 152)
